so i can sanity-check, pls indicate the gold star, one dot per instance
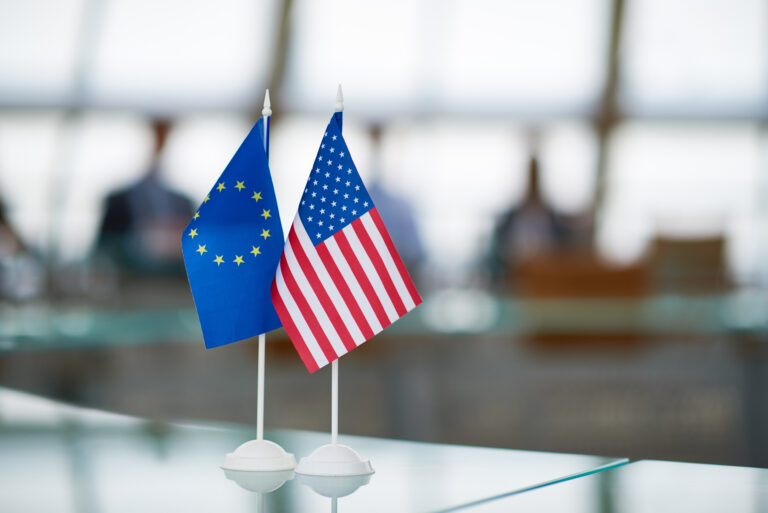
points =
(193, 232)
(219, 260)
(256, 196)
(239, 260)
(266, 214)
(206, 199)
(240, 186)
(220, 187)
(197, 214)
(256, 251)
(265, 234)
(201, 249)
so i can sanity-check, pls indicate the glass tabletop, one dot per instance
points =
(59, 458)
(647, 487)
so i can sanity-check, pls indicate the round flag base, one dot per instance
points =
(259, 455)
(334, 486)
(334, 460)
(264, 481)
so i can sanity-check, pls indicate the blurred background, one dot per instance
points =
(578, 187)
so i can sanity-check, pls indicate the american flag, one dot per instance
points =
(340, 280)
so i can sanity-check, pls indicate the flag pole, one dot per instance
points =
(266, 112)
(271, 466)
(339, 107)
(335, 459)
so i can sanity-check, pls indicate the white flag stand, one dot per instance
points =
(260, 455)
(334, 459)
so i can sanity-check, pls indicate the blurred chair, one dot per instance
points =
(688, 266)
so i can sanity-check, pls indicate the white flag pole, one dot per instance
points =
(272, 464)
(266, 112)
(335, 459)
(260, 396)
(339, 107)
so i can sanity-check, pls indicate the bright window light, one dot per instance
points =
(685, 55)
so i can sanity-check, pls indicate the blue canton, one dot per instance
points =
(335, 195)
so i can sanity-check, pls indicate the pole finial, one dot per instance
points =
(339, 107)
(267, 110)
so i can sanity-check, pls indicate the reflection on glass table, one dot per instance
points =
(647, 487)
(59, 458)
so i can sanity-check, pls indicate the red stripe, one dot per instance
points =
(293, 332)
(362, 279)
(381, 269)
(346, 293)
(320, 292)
(395, 256)
(306, 312)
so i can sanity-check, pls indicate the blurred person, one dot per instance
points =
(142, 223)
(10, 243)
(528, 230)
(21, 272)
(396, 212)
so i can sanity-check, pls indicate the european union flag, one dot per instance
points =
(232, 246)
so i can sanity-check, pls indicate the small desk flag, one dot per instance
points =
(232, 246)
(340, 280)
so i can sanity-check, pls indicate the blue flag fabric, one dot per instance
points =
(232, 246)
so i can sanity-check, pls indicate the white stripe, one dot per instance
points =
(354, 286)
(389, 263)
(370, 272)
(298, 319)
(328, 285)
(311, 298)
